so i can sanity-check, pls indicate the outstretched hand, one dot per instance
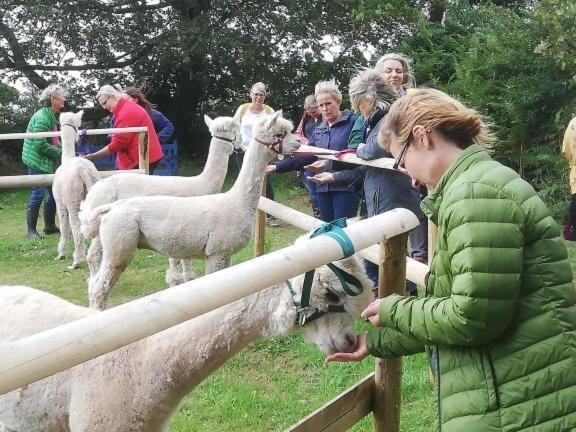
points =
(360, 352)
(270, 169)
(317, 167)
(322, 178)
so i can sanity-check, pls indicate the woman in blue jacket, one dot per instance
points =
(334, 202)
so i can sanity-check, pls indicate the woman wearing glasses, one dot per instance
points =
(501, 308)
(39, 155)
(125, 146)
(247, 114)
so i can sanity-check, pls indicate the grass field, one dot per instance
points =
(268, 386)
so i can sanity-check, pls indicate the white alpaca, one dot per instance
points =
(210, 227)
(72, 181)
(138, 388)
(226, 137)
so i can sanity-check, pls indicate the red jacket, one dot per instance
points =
(125, 145)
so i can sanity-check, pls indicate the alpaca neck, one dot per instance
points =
(248, 186)
(191, 351)
(216, 165)
(68, 142)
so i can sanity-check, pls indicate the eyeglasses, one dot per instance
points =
(103, 104)
(390, 70)
(398, 161)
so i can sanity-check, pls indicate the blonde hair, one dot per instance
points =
(310, 101)
(259, 87)
(408, 79)
(435, 110)
(328, 87)
(369, 84)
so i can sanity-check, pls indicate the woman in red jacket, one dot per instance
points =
(128, 114)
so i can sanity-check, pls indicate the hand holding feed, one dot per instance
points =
(323, 178)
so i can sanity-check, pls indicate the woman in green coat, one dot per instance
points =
(500, 305)
(39, 156)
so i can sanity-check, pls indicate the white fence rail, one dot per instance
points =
(35, 357)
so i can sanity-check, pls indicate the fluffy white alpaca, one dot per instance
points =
(72, 181)
(138, 388)
(210, 227)
(226, 137)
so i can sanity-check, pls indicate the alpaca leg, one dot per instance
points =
(64, 231)
(79, 246)
(100, 286)
(187, 270)
(173, 276)
(94, 257)
(216, 262)
(117, 252)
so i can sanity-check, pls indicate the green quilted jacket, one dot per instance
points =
(39, 153)
(500, 306)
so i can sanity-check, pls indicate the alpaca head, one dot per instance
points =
(274, 131)
(329, 320)
(227, 128)
(71, 119)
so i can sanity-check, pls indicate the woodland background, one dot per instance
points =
(513, 60)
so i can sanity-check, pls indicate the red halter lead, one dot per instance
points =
(276, 146)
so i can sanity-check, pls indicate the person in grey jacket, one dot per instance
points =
(384, 189)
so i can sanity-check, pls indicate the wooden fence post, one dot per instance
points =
(143, 152)
(260, 228)
(388, 376)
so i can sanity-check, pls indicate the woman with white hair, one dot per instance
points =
(332, 133)
(39, 156)
(247, 114)
(384, 190)
(128, 114)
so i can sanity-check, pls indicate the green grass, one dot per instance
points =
(269, 385)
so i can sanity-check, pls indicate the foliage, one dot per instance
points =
(558, 18)
(485, 57)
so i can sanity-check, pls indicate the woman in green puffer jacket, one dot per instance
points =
(500, 306)
(40, 156)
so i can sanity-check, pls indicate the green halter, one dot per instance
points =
(334, 230)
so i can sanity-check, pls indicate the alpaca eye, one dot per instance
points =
(332, 297)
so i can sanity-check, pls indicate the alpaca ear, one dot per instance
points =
(208, 121)
(282, 320)
(79, 115)
(277, 115)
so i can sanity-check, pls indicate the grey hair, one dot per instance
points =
(370, 84)
(408, 81)
(310, 101)
(328, 87)
(259, 86)
(108, 90)
(48, 92)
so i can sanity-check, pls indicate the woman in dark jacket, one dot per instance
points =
(500, 310)
(334, 202)
(384, 189)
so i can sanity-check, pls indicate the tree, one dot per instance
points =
(193, 56)
(558, 19)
